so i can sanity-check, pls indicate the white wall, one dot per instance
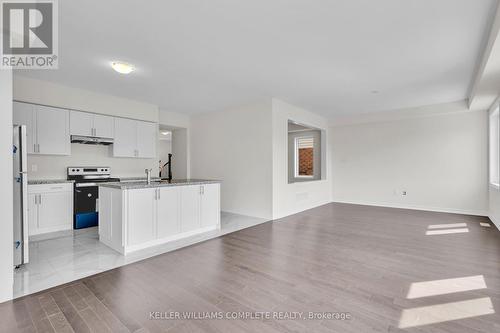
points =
(180, 153)
(292, 198)
(180, 125)
(6, 204)
(54, 167)
(174, 119)
(235, 147)
(441, 161)
(47, 93)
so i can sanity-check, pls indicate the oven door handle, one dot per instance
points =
(85, 184)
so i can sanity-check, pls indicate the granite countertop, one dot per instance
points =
(136, 179)
(143, 184)
(48, 181)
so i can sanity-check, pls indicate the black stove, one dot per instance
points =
(86, 193)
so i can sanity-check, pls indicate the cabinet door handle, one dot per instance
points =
(159, 194)
(39, 199)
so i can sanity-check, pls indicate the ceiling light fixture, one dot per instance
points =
(165, 133)
(122, 67)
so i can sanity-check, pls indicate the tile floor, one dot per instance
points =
(63, 257)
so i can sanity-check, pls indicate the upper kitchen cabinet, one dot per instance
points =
(104, 126)
(135, 138)
(89, 124)
(125, 144)
(48, 129)
(82, 123)
(147, 135)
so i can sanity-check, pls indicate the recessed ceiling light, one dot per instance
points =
(374, 91)
(122, 67)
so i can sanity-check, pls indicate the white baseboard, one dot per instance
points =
(414, 207)
(302, 209)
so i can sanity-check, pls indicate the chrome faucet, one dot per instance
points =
(148, 175)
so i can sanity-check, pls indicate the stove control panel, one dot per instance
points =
(75, 171)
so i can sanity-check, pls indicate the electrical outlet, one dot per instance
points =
(34, 168)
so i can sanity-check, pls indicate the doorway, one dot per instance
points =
(174, 140)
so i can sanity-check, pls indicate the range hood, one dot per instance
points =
(91, 140)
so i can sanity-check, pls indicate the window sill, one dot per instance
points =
(306, 181)
(495, 186)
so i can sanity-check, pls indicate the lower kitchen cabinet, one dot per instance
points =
(133, 219)
(168, 210)
(209, 205)
(50, 208)
(190, 207)
(141, 216)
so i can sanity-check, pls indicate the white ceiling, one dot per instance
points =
(324, 55)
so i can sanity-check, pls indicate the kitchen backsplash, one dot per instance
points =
(54, 167)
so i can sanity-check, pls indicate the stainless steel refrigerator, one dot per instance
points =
(21, 249)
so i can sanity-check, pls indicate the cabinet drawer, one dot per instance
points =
(47, 188)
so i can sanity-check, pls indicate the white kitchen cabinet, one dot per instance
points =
(50, 208)
(190, 207)
(153, 213)
(168, 212)
(147, 136)
(81, 123)
(90, 124)
(135, 138)
(141, 216)
(131, 219)
(52, 125)
(209, 205)
(33, 213)
(48, 131)
(125, 144)
(104, 126)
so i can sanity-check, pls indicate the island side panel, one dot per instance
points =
(111, 214)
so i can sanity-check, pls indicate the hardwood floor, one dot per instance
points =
(344, 258)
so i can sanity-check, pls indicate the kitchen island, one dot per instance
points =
(138, 215)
